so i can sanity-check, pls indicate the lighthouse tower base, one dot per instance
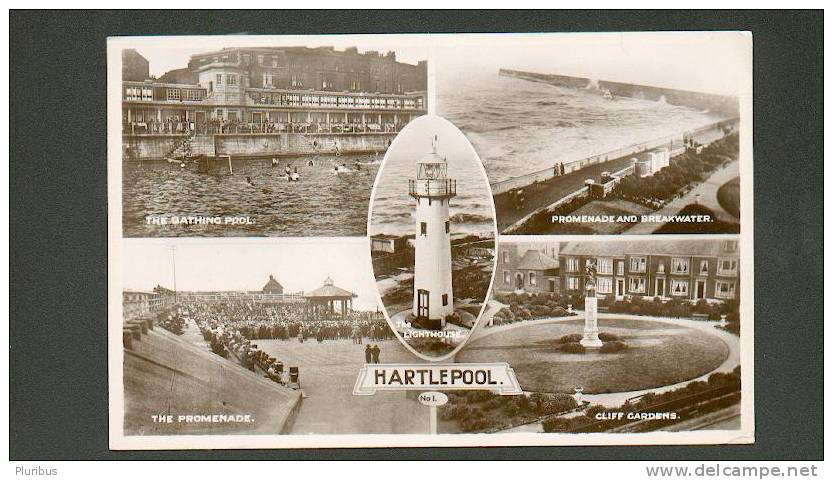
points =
(591, 324)
(427, 323)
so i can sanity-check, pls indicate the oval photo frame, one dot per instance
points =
(432, 233)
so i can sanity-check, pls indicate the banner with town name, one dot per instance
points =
(430, 240)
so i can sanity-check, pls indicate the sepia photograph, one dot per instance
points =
(433, 277)
(603, 133)
(271, 138)
(258, 340)
(618, 336)
(432, 236)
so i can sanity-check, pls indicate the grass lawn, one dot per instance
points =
(658, 354)
(728, 195)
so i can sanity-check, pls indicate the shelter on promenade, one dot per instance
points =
(328, 301)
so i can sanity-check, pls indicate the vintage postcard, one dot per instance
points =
(430, 240)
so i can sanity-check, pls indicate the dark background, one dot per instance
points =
(58, 226)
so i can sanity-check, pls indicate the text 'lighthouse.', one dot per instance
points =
(432, 189)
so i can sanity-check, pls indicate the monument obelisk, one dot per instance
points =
(591, 310)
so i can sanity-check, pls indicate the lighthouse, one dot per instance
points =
(432, 190)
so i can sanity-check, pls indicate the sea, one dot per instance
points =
(519, 126)
(515, 127)
(321, 203)
(393, 210)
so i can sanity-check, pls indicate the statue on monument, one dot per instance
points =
(590, 284)
(591, 325)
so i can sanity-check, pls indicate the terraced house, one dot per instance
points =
(685, 269)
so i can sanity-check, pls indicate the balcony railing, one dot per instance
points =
(444, 187)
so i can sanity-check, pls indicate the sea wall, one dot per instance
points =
(287, 144)
(714, 129)
(149, 147)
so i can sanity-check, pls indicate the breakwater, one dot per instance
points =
(720, 104)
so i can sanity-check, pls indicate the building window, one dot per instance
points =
(247, 59)
(572, 264)
(679, 288)
(730, 245)
(604, 266)
(533, 280)
(260, 59)
(423, 228)
(268, 79)
(193, 95)
(507, 278)
(604, 285)
(638, 264)
(724, 289)
(219, 79)
(620, 267)
(445, 299)
(572, 283)
(220, 113)
(727, 266)
(231, 79)
(704, 267)
(505, 257)
(173, 94)
(637, 285)
(447, 226)
(679, 266)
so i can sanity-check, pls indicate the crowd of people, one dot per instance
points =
(232, 329)
(175, 125)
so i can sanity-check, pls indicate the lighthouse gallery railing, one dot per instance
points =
(442, 187)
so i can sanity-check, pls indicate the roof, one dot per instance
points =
(535, 260)
(180, 76)
(329, 290)
(694, 248)
(433, 157)
(272, 284)
(384, 236)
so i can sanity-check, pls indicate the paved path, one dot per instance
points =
(708, 198)
(545, 193)
(725, 419)
(328, 372)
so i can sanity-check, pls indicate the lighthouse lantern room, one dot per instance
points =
(432, 190)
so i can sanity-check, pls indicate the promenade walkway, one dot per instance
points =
(543, 194)
(708, 198)
(328, 372)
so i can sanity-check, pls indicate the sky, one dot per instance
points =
(242, 265)
(715, 62)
